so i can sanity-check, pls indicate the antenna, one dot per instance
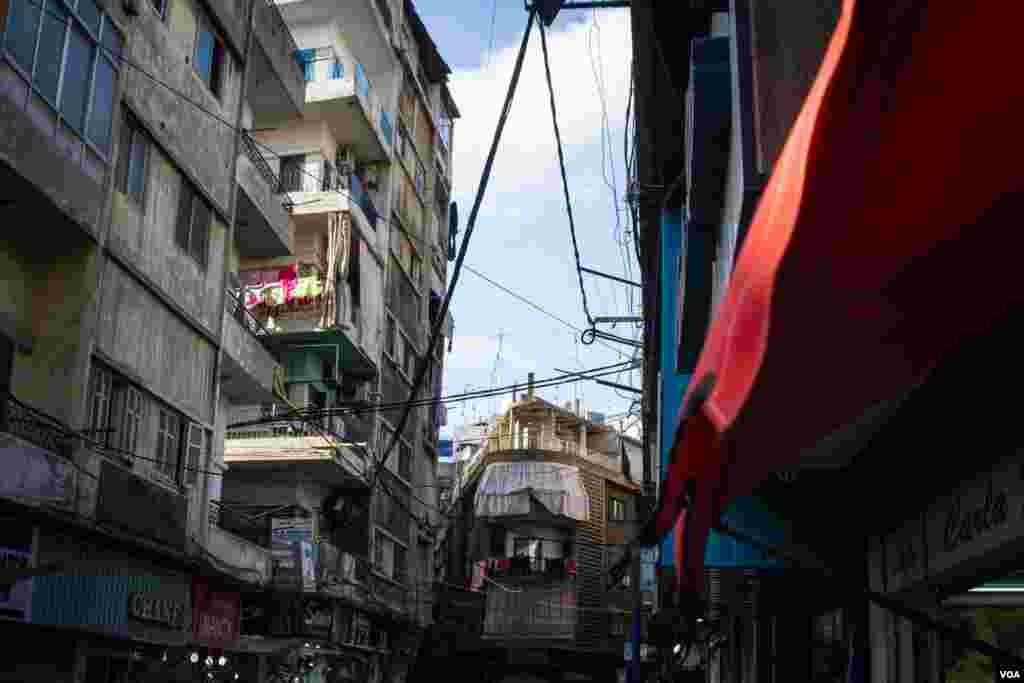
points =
(495, 368)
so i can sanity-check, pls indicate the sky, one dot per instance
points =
(521, 238)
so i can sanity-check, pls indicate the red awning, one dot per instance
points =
(889, 231)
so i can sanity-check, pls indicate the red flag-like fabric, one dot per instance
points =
(887, 233)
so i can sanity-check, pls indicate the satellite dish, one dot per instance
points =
(453, 229)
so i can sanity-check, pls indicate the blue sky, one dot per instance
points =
(522, 237)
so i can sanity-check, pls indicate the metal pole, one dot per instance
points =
(635, 663)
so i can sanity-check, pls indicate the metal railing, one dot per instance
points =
(235, 307)
(260, 162)
(530, 613)
(36, 427)
(298, 179)
(270, 14)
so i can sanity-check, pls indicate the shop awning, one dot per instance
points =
(886, 235)
(510, 488)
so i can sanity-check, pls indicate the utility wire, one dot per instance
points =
(565, 181)
(423, 365)
(565, 378)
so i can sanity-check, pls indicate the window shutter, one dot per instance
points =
(195, 448)
(100, 404)
(337, 70)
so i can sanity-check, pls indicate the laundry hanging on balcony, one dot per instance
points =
(509, 488)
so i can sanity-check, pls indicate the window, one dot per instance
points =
(59, 50)
(616, 510)
(389, 557)
(193, 230)
(196, 448)
(618, 624)
(168, 434)
(100, 390)
(210, 56)
(132, 159)
(128, 413)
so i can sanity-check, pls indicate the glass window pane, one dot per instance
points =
(51, 50)
(22, 27)
(102, 105)
(90, 15)
(137, 167)
(204, 54)
(76, 79)
(112, 40)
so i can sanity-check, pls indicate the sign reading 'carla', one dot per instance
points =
(983, 516)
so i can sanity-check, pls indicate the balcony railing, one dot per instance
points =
(36, 427)
(530, 613)
(298, 179)
(235, 307)
(260, 162)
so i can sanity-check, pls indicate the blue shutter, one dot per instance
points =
(337, 70)
(305, 58)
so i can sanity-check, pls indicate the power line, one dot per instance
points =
(564, 378)
(565, 181)
(539, 308)
(423, 365)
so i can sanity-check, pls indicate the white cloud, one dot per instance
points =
(527, 159)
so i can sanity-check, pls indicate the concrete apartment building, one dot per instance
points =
(543, 512)
(150, 151)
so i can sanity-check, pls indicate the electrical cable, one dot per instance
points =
(470, 225)
(565, 180)
(537, 307)
(313, 413)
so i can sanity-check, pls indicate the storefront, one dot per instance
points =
(952, 558)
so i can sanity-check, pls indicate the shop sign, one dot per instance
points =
(216, 616)
(145, 607)
(34, 474)
(958, 531)
(17, 551)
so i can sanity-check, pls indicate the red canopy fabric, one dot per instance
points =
(887, 233)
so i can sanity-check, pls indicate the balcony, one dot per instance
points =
(276, 87)
(342, 95)
(330, 451)
(327, 190)
(249, 365)
(34, 448)
(251, 562)
(264, 226)
(537, 612)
